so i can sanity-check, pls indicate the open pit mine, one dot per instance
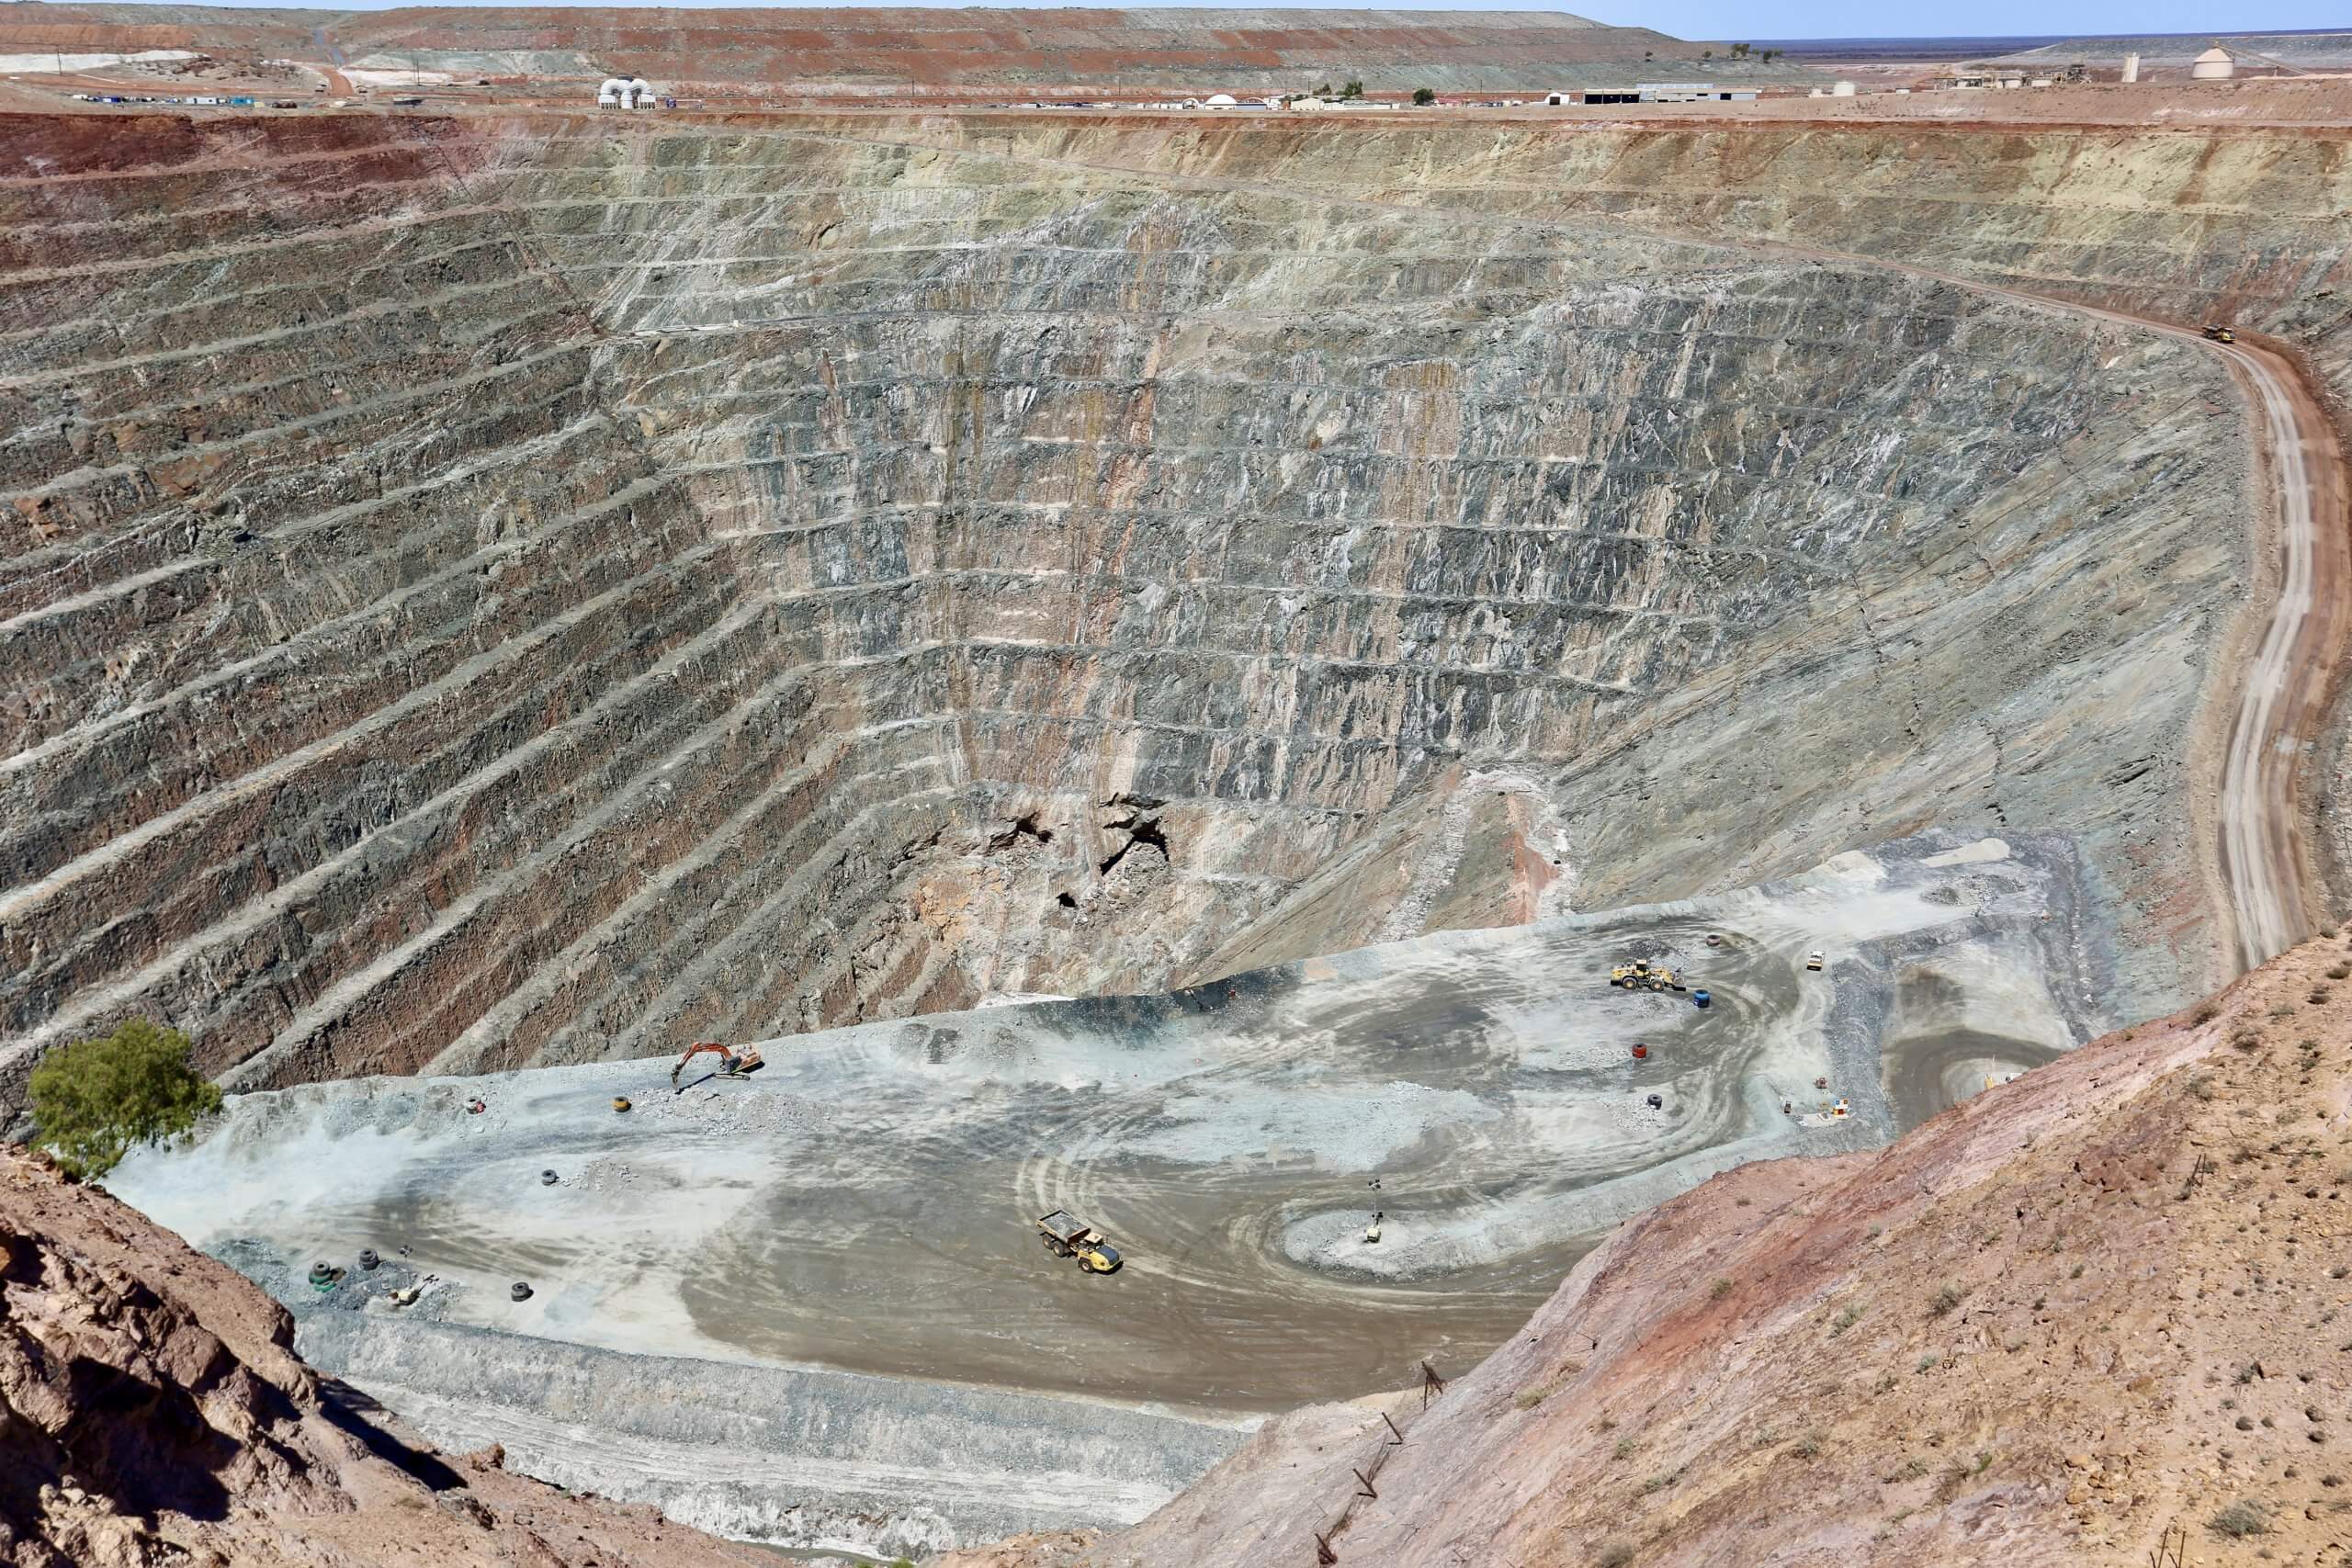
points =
(1153, 667)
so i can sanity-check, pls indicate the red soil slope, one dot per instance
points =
(1201, 51)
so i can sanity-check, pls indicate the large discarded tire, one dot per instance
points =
(519, 1290)
(547, 1178)
(368, 1259)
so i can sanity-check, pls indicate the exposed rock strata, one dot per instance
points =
(506, 593)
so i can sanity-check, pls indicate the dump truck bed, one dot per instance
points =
(1063, 1226)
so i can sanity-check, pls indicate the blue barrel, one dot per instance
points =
(1701, 998)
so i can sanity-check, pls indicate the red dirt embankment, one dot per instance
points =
(151, 1411)
(850, 49)
(2100, 1304)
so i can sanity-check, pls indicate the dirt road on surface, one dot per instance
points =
(2284, 697)
(2270, 876)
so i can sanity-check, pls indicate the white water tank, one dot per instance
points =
(2213, 65)
(1220, 101)
(1841, 90)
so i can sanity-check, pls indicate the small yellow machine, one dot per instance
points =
(1067, 1235)
(1641, 975)
(2220, 334)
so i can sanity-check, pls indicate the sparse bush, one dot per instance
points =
(1719, 1290)
(2247, 1372)
(1845, 1320)
(2200, 1087)
(1808, 1446)
(95, 1100)
(1624, 1449)
(1947, 1297)
(2242, 1519)
(1606, 1424)
(1925, 1363)
(1616, 1554)
(1661, 1481)
(1885, 1383)
(2282, 1009)
(2076, 1272)
(1529, 1398)
(2205, 1014)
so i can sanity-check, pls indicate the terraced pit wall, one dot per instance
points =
(516, 590)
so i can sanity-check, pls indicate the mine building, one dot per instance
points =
(1658, 93)
(625, 93)
(2216, 65)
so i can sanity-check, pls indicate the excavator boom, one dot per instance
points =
(732, 1063)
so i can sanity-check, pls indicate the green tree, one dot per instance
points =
(1739, 50)
(1424, 97)
(94, 1100)
(1324, 91)
(1351, 89)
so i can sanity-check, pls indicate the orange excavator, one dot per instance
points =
(734, 1062)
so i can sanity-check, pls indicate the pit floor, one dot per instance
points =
(865, 1202)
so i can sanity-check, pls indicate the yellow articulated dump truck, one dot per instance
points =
(1640, 975)
(1067, 1235)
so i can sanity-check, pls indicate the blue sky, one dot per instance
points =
(1864, 18)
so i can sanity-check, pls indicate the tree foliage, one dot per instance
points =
(1424, 97)
(1351, 89)
(95, 1100)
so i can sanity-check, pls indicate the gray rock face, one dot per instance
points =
(485, 597)
(770, 1453)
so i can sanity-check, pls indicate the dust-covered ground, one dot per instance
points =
(864, 1203)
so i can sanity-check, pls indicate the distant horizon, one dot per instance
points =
(1773, 22)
